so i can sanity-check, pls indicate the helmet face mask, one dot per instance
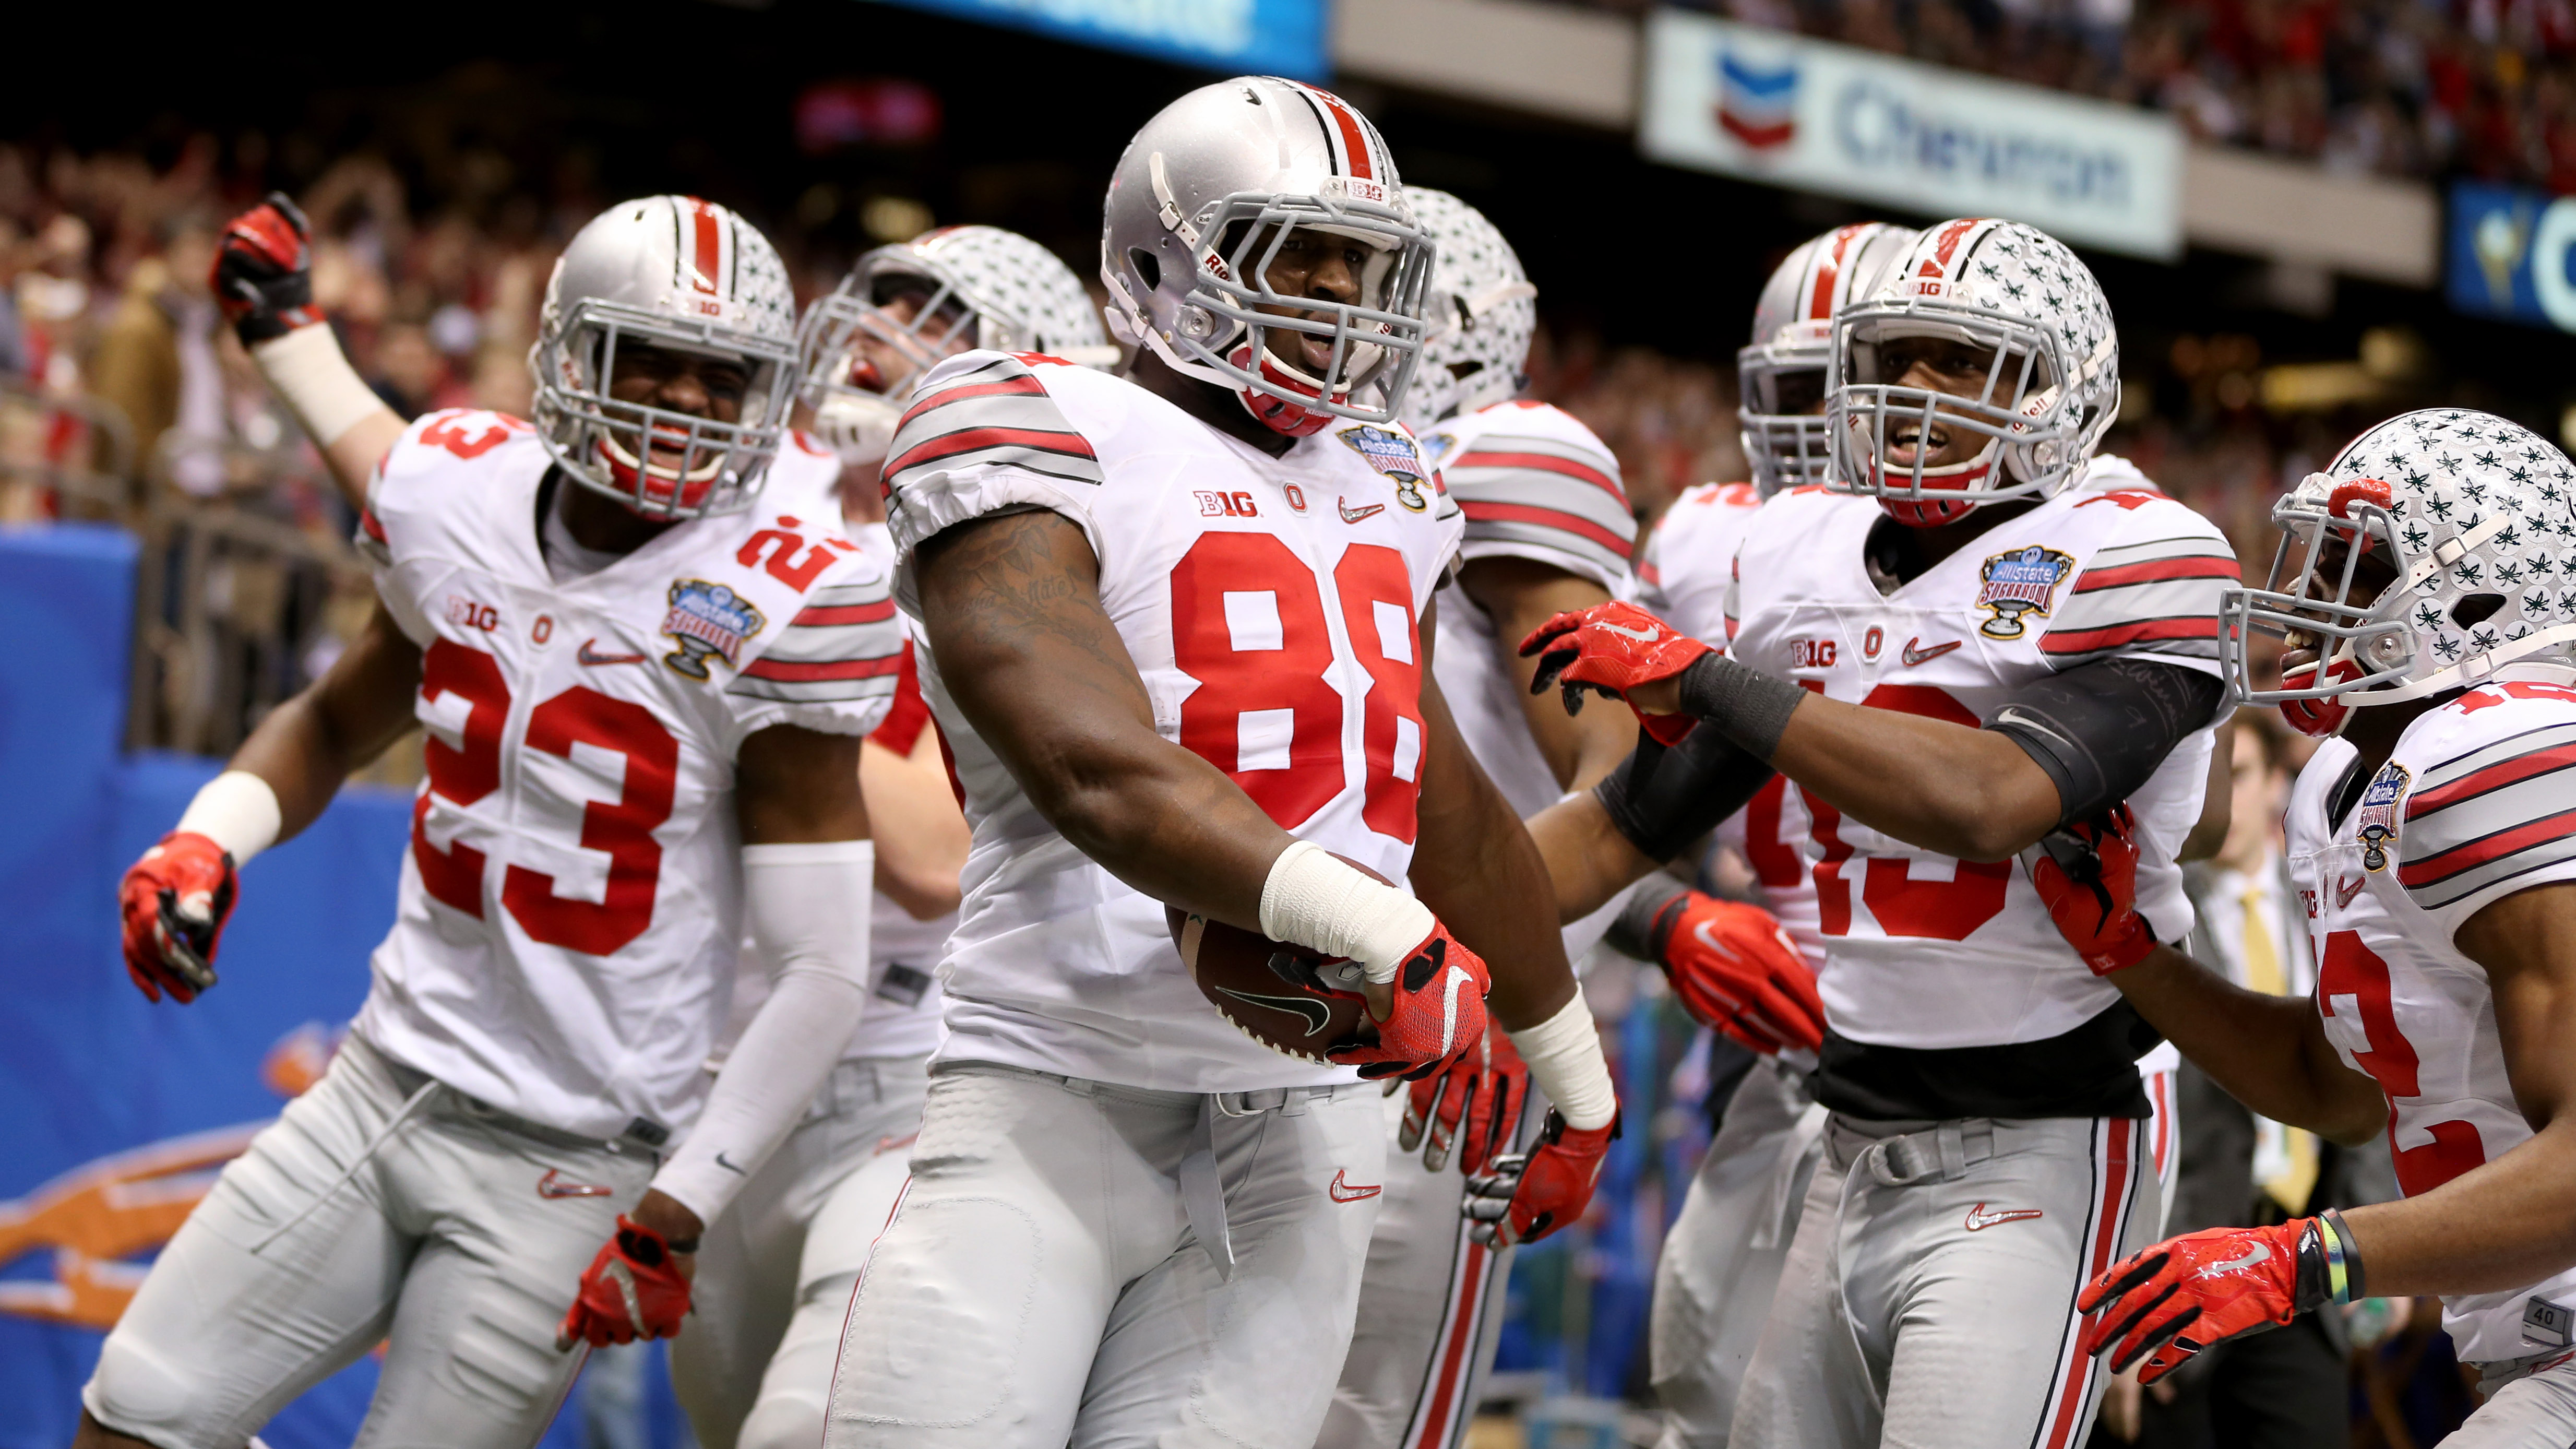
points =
(906, 307)
(2458, 528)
(1785, 373)
(2047, 389)
(1211, 196)
(670, 275)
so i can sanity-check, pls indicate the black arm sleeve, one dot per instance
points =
(2102, 729)
(1663, 798)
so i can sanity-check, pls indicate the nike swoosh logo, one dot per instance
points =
(1913, 656)
(555, 1185)
(727, 1166)
(2345, 891)
(1458, 977)
(1647, 635)
(1355, 515)
(1979, 1219)
(1317, 1015)
(2012, 714)
(587, 655)
(2253, 1255)
(1341, 1190)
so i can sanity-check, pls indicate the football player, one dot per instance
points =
(1547, 530)
(2422, 588)
(775, 1273)
(643, 698)
(1176, 640)
(1950, 649)
(1721, 1258)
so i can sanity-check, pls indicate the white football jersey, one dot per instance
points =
(1532, 483)
(571, 905)
(902, 1017)
(2473, 805)
(1922, 950)
(1272, 608)
(1684, 574)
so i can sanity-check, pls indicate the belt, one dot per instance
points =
(1941, 1152)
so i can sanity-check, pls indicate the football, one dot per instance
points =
(1275, 993)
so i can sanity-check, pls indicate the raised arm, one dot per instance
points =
(263, 281)
(175, 899)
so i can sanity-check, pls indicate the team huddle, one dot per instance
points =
(998, 900)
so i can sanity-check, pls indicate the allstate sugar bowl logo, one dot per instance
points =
(706, 620)
(2019, 583)
(2377, 823)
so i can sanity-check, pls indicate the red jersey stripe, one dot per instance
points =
(1545, 463)
(2085, 641)
(968, 440)
(785, 672)
(1021, 386)
(2493, 777)
(2434, 869)
(824, 616)
(1573, 523)
(908, 715)
(2197, 566)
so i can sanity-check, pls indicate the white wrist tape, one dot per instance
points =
(238, 811)
(306, 369)
(806, 908)
(1564, 1056)
(1313, 899)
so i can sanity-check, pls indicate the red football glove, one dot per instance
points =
(2184, 1294)
(2087, 873)
(1738, 972)
(1530, 1195)
(1613, 648)
(634, 1289)
(263, 272)
(1475, 1106)
(1437, 1017)
(175, 901)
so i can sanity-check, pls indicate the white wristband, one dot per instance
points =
(306, 369)
(1311, 898)
(1565, 1062)
(238, 811)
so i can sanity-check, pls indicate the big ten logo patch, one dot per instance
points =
(1227, 505)
(465, 613)
(1812, 653)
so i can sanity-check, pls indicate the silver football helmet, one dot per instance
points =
(1203, 201)
(1481, 311)
(906, 306)
(676, 274)
(2052, 386)
(2471, 522)
(1787, 367)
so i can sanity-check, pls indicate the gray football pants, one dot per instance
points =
(1722, 1259)
(381, 1208)
(1928, 1301)
(753, 1366)
(1051, 1276)
(2528, 1406)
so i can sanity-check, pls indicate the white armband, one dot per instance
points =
(1565, 1061)
(236, 810)
(1312, 898)
(307, 370)
(807, 908)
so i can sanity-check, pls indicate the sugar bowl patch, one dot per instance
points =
(707, 621)
(1392, 454)
(2019, 583)
(2377, 822)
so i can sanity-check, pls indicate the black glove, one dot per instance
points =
(263, 274)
